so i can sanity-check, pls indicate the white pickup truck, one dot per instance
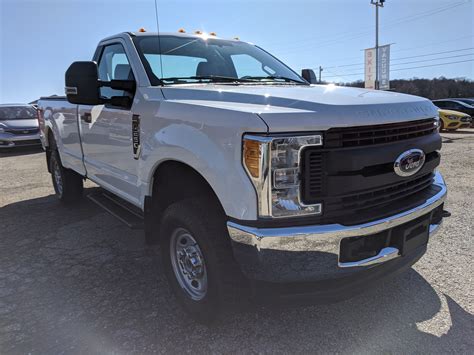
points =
(244, 170)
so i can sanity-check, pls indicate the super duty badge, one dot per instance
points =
(136, 136)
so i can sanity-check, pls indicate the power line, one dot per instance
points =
(418, 67)
(415, 56)
(402, 50)
(429, 60)
(425, 60)
(344, 37)
(435, 65)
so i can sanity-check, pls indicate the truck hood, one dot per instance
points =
(306, 108)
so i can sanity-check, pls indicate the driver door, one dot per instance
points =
(106, 130)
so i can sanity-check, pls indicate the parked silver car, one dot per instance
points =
(18, 126)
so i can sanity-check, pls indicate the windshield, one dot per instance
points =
(189, 60)
(17, 113)
(467, 101)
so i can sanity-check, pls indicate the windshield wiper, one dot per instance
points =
(276, 78)
(211, 78)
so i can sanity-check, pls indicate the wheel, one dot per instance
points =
(68, 185)
(442, 125)
(198, 260)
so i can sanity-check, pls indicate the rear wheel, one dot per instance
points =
(68, 185)
(198, 259)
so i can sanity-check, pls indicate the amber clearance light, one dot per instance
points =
(252, 155)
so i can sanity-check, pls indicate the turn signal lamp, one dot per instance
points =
(252, 155)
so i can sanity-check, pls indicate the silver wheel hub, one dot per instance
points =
(188, 264)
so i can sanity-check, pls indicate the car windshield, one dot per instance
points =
(190, 60)
(17, 113)
(467, 101)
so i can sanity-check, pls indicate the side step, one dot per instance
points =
(122, 210)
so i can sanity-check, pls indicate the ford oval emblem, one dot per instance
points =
(409, 162)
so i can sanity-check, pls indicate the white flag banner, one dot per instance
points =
(384, 67)
(370, 68)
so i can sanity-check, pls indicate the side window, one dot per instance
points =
(246, 65)
(440, 104)
(114, 65)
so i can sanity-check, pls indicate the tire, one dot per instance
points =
(68, 185)
(219, 282)
(442, 126)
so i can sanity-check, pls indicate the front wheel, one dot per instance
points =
(68, 185)
(198, 260)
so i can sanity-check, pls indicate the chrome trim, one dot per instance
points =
(398, 162)
(384, 255)
(327, 238)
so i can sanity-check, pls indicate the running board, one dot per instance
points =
(120, 209)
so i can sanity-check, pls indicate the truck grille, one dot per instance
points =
(22, 131)
(356, 182)
(312, 175)
(379, 196)
(378, 134)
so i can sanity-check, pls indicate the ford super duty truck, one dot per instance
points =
(244, 171)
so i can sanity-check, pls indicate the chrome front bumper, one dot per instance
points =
(312, 252)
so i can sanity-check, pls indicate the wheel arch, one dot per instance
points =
(174, 181)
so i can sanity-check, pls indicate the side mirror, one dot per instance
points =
(309, 76)
(83, 86)
(82, 83)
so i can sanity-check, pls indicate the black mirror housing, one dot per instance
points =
(82, 83)
(309, 76)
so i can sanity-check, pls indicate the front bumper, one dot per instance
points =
(8, 140)
(313, 253)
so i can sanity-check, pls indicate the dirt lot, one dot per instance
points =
(74, 280)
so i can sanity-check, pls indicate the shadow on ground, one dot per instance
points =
(75, 280)
(13, 152)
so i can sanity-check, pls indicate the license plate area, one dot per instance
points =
(406, 238)
(411, 235)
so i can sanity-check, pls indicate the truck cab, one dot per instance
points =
(243, 170)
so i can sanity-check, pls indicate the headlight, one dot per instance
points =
(453, 117)
(273, 165)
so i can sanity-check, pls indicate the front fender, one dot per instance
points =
(209, 141)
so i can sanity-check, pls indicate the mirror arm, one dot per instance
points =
(126, 85)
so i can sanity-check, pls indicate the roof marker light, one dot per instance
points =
(142, 30)
(198, 32)
(213, 34)
(181, 30)
(237, 38)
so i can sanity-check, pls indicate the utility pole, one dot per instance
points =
(320, 70)
(377, 3)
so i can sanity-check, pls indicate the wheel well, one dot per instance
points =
(49, 140)
(174, 181)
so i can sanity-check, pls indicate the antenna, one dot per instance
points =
(159, 40)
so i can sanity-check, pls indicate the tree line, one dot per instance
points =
(438, 88)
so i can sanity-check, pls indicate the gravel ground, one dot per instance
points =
(74, 280)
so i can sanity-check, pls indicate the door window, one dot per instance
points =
(114, 65)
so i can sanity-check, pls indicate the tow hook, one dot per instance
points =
(445, 214)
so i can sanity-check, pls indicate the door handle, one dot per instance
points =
(86, 117)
